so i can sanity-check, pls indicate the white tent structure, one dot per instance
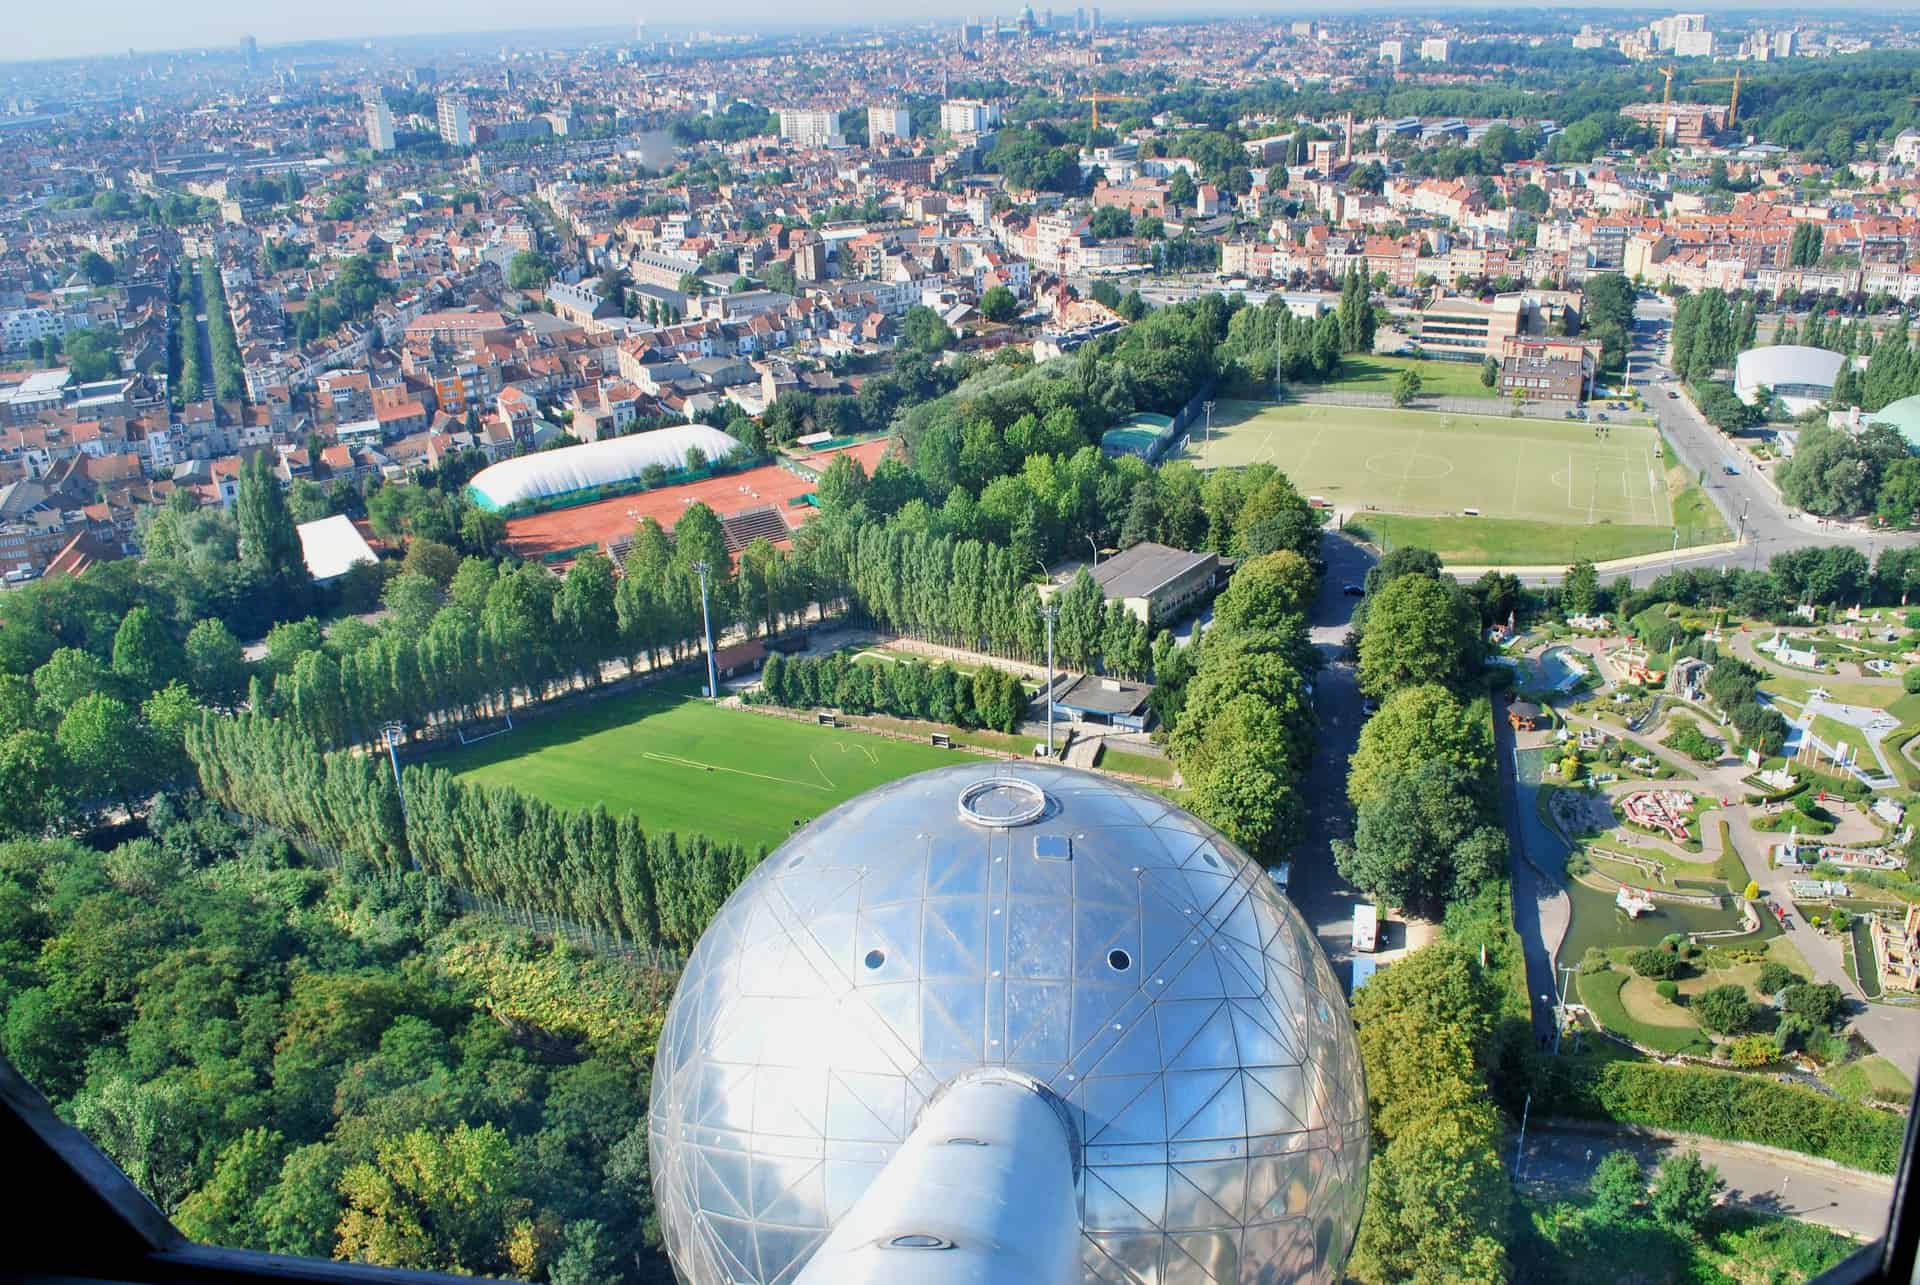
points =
(331, 547)
(548, 475)
(1802, 376)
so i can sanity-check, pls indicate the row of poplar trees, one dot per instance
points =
(513, 635)
(987, 697)
(980, 596)
(599, 873)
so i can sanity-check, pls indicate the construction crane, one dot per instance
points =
(1096, 98)
(1733, 109)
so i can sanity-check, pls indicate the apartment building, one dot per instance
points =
(888, 121)
(456, 124)
(968, 116)
(379, 119)
(810, 127)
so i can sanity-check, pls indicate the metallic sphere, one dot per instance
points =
(1087, 936)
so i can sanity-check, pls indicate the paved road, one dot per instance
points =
(1748, 500)
(1316, 888)
(1853, 1202)
(1536, 864)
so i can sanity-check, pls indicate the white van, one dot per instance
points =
(1366, 928)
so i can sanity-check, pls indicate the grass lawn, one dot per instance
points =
(1151, 766)
(1887, 696)
(1698, 520)
(1436, 463)
(684, 765)
(1832, 731)
(1784, 952)
(999, 742)
(1437, 378)
(1871, 1079)
(1705, 979)
(1601, 993)
(1508, 542)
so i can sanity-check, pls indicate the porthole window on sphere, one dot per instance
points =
(1119, 961)
(875, 958)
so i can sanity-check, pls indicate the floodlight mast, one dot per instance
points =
(980, 1193)
(706, 627)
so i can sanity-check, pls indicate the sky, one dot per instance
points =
(113, 26)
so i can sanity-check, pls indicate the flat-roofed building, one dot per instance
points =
(810, 127)
(454, 120)
(888, 120)
(1468, 329)
(332, 546)
(1104, 702)
(1540, 377)
(379, 124)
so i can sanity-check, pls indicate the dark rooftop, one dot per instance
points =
(1137, 572)
(1097, 695)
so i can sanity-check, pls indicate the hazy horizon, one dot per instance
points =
(212, 24)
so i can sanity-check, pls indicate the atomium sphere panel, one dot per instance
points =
(1114, 947)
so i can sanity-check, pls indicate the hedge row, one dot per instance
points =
(1737, 1108)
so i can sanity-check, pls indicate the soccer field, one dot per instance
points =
(1428, 462)
(681, 764)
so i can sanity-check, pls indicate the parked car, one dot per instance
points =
(1672, 396)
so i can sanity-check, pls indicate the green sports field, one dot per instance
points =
(1429, 462)
(1375, 374)
(681, 764)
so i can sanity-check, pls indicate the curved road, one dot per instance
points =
(1748, 501)
(1762, 1180)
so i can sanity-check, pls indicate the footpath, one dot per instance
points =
(1561, 1155)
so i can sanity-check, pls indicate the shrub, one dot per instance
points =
(1752, 1050)
(1775, 977)
(1818, 1005)
(1689, 740)
(1752, 891)
(1593, 961)
(1669, 991)
(1726, 1104)
(1651, 961)
(1829, 1048)
(1724, 1010)
(1791, 1033)
(1911, 680)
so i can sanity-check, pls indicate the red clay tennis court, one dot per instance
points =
(560, 531)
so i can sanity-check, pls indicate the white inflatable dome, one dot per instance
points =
(546, 475)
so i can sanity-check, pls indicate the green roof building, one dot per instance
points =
(1903, 417)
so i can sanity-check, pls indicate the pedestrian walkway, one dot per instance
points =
(1562, 1158)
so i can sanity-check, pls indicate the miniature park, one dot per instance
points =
(1725, 806)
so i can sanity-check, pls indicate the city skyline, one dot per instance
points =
(117, 26)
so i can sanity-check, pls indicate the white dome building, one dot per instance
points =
(1008, 1023)
(1803, 377)
(576, 472)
